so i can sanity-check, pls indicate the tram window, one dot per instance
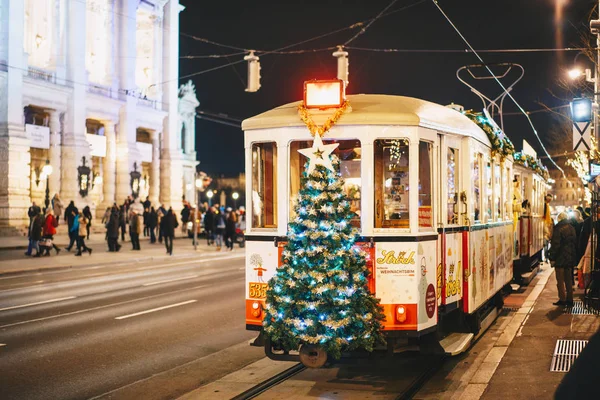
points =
(453, 186)
(488, 192)
(506, 194)
(497, 201)
(425, 185)
(349, 153)
(391, 183)
(476, 215)
(264, 185)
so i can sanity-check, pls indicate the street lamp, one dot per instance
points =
(47, 171)
(209, 194)
(235, 196)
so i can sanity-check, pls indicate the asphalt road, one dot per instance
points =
(153, 330)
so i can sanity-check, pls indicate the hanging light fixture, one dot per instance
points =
(342, 64)
(253, 72)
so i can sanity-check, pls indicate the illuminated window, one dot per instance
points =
(506, 194)
(476, 213)
(488, 192)
(497, 193)
(264, 185)
(425, 186)
(453, 185)
(391, 183)
(349, 153)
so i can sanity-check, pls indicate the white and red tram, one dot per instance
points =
(433, 207)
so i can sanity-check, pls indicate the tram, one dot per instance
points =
(432, 201)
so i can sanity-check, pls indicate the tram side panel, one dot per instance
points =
(451, 268)
(490, 263)
(405, 280)
(262, 260)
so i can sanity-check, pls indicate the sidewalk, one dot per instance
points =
(13, 261)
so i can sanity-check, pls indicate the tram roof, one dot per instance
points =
(376, 109)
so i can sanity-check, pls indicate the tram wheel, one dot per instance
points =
(312, 356)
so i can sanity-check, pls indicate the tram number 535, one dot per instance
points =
(258, 290)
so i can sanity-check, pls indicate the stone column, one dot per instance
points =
(74, 144)
(14, 145)
(171, 172)
(110, 166)
(55, 152)
(155, 169)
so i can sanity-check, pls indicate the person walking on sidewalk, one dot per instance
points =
(48, 232)
(152, 223)
(87, 213)
(220, 226)
(112, 230)
(82, 222)
(123, 220)
(71, 213)
(161, 213)
(35, 235)
(135, 229)
(209, 222)
(563, 257)
(185, 216)
(230, 226)
(57, 207)
(168, 225)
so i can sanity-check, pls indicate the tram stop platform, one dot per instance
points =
(527, 352)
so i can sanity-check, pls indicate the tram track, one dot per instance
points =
(269, 383)
(422, 379)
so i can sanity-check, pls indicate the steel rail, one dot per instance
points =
(269, 383)
(435, 365)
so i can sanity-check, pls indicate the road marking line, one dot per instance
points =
(191, 262)
(31, 285)
(98, 308)
(39, 302)
(170, 280)
(156, 309)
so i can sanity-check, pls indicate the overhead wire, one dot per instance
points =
(363, 30)
(435, 2)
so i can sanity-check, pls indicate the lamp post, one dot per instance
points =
(209, 194)
(47, 170)
(235, 196)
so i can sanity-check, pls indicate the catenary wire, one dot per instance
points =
(363, 30)
(435, 2)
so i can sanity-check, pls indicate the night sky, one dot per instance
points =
(268, 25)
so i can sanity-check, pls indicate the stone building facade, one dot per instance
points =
(92, 83)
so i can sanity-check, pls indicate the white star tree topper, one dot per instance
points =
(319, 154)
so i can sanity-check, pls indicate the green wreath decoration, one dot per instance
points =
(501, 144)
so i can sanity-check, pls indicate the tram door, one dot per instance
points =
(451, 221)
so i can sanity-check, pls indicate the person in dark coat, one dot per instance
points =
(32, 213)
(152, 223)
(162, 211)
(168, 225)
(185, 216)
(112, 230)
(123, 220)
(35, 234)
(563, 257)
(209, 225)
(135, 228)
(87, 213)
(71, 214)
(230, 226)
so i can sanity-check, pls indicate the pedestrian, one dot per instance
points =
(87, 213)
(147, 203)
(71, 213)
(152, 224)
(123, 220)
(209, 222)
(82, 222)
(220, 226)
(35, 233)
(185, 217)
(161, 213)
(563, 257)
(48, 232)
(230, 226)
(57, 207)
(145, 218)
(168, 226)
(112, 230)
(548, 224)
(135, 229)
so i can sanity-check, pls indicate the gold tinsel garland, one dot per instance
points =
(331, 121)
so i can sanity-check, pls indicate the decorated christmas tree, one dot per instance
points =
(319, 296)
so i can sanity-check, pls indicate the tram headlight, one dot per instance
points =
(401, 314)
(256, 311)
